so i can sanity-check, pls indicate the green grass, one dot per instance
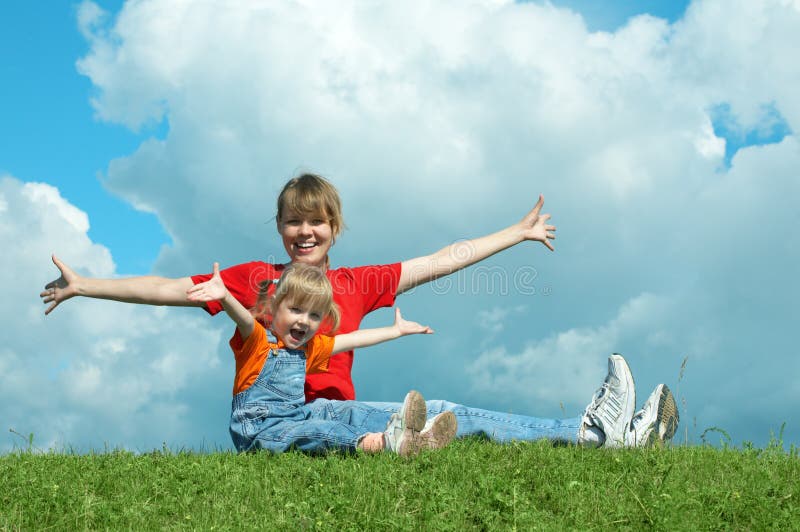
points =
(472, 485)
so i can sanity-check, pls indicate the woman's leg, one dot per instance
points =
(498, 426)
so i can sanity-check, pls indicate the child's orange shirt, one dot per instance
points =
(251, 354)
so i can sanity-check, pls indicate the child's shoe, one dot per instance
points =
(403, 433)
(440, 430)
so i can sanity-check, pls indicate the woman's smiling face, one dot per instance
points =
(307, 239)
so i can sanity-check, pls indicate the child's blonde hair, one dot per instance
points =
(303, 285)
(312, 195)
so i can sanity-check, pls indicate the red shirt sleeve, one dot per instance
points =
(242, 281)
(378, 285)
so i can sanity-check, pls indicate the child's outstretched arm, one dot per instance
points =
(368, 337)
(214, 290)
(454, 257)
(149, 290)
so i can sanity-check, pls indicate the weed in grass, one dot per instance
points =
(724, 443)
(681, 373)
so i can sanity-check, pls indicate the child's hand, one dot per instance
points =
(211, 290)
(535, 227)
(406, 327)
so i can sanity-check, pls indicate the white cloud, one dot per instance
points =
(568, 366)
(493, 320)
(92, 373)
(708, 144)
(47, 197)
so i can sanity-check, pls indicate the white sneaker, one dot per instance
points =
(402, 434)
(439, 431)
(612, 406)
(656, 422)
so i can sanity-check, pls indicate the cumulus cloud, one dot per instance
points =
(92, 373)
(565, 367)
(444, 121)
(502, 97)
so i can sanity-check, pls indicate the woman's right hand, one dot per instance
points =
(62, 288)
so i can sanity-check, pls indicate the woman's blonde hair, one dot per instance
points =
(303, 285)
(312, 195)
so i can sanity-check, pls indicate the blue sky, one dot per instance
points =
(664, 146)
(55, 136)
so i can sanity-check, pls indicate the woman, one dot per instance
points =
(309, 219)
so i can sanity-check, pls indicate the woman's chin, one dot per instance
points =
(312, 259)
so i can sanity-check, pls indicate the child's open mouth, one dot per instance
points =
(297, 335)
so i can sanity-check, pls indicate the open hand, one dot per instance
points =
(212, 290)
(535, 226)
(409, 327)
(60, 289)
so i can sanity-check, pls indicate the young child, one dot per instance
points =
(269, 409)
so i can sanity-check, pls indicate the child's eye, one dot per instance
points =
(295, 310)
(318, 221)
(316, 316)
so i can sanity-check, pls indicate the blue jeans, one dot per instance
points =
(497, 426)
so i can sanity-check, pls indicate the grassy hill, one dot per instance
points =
(472, 485)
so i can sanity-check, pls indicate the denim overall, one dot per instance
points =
(272, 413)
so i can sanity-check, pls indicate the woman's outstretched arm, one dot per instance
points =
(149, 290)
(454, 257)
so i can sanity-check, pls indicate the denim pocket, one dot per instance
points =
(284, 379)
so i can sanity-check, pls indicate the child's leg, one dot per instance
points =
(360, 415)
(308, 435)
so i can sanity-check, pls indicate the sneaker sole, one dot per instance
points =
(415, 411)
(667, 415)
(667, 419)
(441, 432)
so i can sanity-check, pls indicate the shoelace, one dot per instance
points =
(612, 407)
